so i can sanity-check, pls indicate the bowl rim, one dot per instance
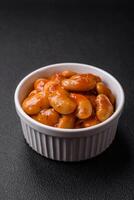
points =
(38, 124)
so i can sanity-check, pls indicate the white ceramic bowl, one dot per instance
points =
(68, 144)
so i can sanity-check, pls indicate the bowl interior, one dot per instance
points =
(26, 85)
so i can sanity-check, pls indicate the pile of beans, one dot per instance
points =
(69, 100)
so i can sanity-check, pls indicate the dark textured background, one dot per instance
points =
(34, 35)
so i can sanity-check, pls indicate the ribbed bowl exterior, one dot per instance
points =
(69, 149)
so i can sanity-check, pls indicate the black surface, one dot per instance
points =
(31, 37)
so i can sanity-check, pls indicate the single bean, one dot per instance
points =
(103, 89)
(84, 107)
(59, 98)
(68, 73)
(47, 116)
(66, 121)
(33, 104)
(90, 122)
(104, 108)
(39, 84)
(80, 82)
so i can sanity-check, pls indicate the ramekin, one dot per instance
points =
(68, 144)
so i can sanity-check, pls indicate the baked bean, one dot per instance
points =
(66, 121)
(33, 104)
(59, 99)
(39, 84)
(49, 87)
(68, 73)
(103, 89)
(47, 116)
(84, 107)
(80, 82)
(57, 78)
(104, 108)
(90, 122)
